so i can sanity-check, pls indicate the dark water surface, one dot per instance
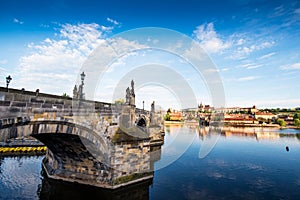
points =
(248, 163)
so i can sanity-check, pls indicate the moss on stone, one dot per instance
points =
(129, 135)
(131, 177)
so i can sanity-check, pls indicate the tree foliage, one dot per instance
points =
(297, 116)
(65, 95)
(119, 101)
(297, 122)
(281, 122)
(167, 117)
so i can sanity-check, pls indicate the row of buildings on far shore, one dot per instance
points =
(236, 115)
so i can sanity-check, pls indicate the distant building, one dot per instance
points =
(250, 110)
(175, 115)
(245, 110)
(239, 119)
(264, 115)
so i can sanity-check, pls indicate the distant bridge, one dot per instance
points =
(96, 143)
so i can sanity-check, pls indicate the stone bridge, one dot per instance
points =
(96, 143)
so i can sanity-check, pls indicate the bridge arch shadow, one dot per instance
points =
(73, 151)
(142, 121)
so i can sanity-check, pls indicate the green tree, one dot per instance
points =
(281, 122)
(297, 116)
(119, 101)
(65, 95)
(167, 117)
(297, 122)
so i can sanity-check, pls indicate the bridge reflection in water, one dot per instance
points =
(55, 189)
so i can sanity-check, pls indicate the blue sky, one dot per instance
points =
(253, 44)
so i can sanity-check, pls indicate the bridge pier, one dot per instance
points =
(68, 159)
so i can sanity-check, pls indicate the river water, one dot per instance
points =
(250, 163)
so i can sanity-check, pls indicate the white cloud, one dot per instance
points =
(247, 78)
(238, 45)
(240, 41)
(254, 66)
(44, 25)
(106, 28)
(53, 64)
(278, 11)
(247, 49)
(295, 66)
(265, 45)
(225, 69)
(209, 39)
(115, 22)
(250, 66)
(267, 56)
(17, 21)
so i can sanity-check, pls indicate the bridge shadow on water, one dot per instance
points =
(57, 189)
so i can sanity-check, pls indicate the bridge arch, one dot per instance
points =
(72, 148)
(141, 121)
(83, 138)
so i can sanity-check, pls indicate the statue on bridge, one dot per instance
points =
(132, 94)
(152, 107)
(75, 92)
(127, 95)
(152, 114)
(132, 87)
(78, 93)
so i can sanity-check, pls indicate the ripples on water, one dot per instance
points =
(20, 177)
(242, 165)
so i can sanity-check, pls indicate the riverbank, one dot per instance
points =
(226, 124)
(173, 122)
(252, 125)
(290, 127)
(275, 126)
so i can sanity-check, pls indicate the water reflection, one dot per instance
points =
(55, 189)
(19, 176)
(253, 132)
(243, 165)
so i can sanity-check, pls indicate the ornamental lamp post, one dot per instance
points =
(81, 94)
(143, 105)
(8, 79)
(82, 77)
